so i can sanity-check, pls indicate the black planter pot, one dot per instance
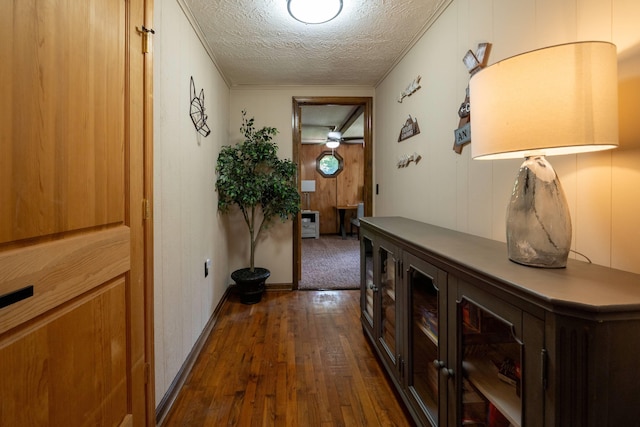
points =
(250, 284)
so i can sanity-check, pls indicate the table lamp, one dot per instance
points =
(308, 186)
(557, 100)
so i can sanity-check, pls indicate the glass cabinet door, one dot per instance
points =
(491, 365)
(366, 246)
(425, 360)
(387, 289)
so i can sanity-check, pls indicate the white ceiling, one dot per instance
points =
(257, 42)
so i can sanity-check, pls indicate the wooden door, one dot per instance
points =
(72, 300)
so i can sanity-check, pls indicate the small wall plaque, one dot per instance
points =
(474, 63)
(463, 136)
(409, 129)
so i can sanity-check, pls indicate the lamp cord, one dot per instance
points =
(582, 255)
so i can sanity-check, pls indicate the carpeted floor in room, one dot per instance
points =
(330, 263)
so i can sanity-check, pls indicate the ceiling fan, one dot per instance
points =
(334, 138)
(329, 135)
(332, 125)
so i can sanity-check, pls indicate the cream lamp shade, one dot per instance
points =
(308, 185)
(557, 100)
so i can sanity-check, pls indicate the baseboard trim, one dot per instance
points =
(278, 287)
(178, 382)
(267, 287)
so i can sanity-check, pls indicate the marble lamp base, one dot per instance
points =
(538, 219)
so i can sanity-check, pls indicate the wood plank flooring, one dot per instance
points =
(297, 358)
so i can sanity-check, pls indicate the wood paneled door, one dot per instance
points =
(74, 320)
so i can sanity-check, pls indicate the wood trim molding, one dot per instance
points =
(278, 287)
(297, 102)
(200, 34)
(149, 327)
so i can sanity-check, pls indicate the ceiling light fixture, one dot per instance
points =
(314, 11)
(333, 144)
(333, 139)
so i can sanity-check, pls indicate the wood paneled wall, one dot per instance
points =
(347, 188)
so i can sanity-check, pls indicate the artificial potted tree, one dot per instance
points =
(251, 176)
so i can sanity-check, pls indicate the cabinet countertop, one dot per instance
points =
(581, 285)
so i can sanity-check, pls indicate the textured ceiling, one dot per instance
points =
(257, 42)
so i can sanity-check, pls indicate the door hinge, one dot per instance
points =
(146, 34)
(146, 209)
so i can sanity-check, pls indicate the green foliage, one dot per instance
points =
(251, 176)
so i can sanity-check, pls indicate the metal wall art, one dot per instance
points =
(409, 129)
(196, 111)
(413, 86)
(474, 63)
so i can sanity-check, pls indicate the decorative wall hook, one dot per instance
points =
(413, 86)
(406, 159)
(196, 111)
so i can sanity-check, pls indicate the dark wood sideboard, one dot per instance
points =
(471, 338)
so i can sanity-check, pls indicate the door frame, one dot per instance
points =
(149, 326)
(297, 103)
(140, 206)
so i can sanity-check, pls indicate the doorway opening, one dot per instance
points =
(328, 196)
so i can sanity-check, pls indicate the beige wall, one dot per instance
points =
(454, 191)
(272, 106)
(187, 230)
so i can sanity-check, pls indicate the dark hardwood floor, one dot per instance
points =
(297, 358)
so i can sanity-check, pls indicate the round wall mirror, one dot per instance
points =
(329, 164)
